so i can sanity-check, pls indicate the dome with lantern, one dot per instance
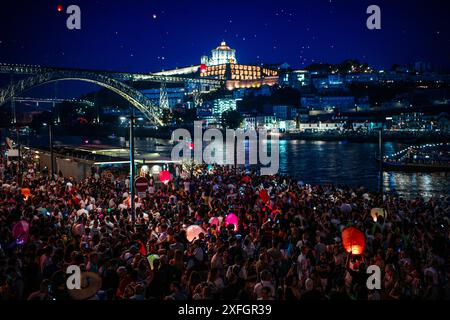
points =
(223, 54)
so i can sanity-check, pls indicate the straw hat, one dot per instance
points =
(90, 283)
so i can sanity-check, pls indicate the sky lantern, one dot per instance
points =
(246, 179)
(127, 201)
(214, 221)
(151, 258)
(353, 240)
(346, 208)
(276, 211)
(164, 176)
(232, 219)
(377, 212)
(264, 195)
(193, 232)
(21, 231)
(25, 192)
(78, 229)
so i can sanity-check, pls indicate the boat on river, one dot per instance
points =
(423, 158)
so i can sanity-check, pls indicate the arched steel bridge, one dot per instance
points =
(114, 81)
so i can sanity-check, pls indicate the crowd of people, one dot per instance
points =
(288, 247)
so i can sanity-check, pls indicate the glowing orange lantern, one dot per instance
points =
(25, 192)
(353, 240)
(164, 176)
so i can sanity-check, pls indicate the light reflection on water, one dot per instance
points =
(354, 164)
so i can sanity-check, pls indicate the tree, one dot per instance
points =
(231, 119)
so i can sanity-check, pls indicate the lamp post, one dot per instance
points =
(52, 156)
(19, 163)
(132, 174)
(381, 155)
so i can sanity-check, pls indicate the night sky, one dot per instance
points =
(145, 36)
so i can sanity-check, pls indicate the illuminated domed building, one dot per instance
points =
(223, 54)
(223, 65)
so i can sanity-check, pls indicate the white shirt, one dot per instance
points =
(262, 284)
(242, 272)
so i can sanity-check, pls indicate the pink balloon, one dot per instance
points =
(214, 221)
(193, 232)
(232, 219)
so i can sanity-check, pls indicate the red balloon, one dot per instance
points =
(246, 179)
(353, 240)
(164, 176)
(264, 195)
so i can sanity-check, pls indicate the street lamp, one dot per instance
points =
(132, 174)
(381, 155)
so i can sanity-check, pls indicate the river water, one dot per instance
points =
(318, 162)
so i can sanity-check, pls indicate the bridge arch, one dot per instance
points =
(133, 96)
